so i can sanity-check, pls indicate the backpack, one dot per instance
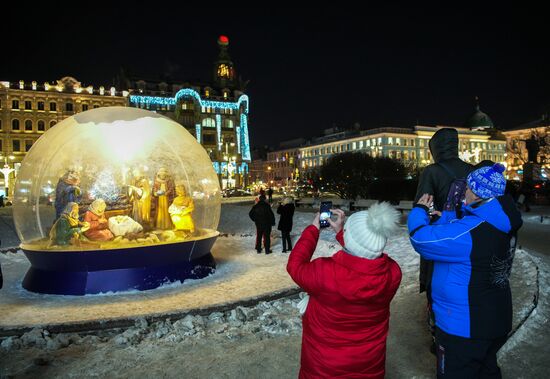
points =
(456, 194)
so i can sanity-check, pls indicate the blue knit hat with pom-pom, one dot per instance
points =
(486, 182)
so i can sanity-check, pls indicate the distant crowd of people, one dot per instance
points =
(464, 227)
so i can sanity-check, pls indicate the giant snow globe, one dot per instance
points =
(114, 199)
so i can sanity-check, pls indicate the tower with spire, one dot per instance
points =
(224, 70)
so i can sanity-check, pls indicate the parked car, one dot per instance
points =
(235, 192)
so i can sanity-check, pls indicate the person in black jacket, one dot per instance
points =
(263, 217)
(436, 180)
(286, 210)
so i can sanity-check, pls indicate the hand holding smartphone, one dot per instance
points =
(325, 213)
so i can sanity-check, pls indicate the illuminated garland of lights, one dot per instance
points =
(188, 92)
(216, 166)
(198, 132)
(238, 129)
(219, 130)
(243, 98)
(243, 143)
(155, 100)
(244, 136)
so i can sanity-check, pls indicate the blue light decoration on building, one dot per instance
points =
(198, 132)
(242, 131)
(224, 168)
(216, 166)
(219, 130)
(238, 129)
(244, 168)
(244, 136)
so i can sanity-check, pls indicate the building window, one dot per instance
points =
(15, 104)
(390, 140)
(209, 123)
(1, 145)
(41, 126)
(28, 144)
(209, 139)
(413, 154)
(52, 124)
(40, 105)
(68, 107)
(28, 125)
(53, 107)
(28, 104)
(15, 125)
(16, 145)
(229, 124)
(207, 93)
(398, 141)
(84, 107)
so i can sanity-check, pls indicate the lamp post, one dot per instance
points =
(229, 160)
(6, 171)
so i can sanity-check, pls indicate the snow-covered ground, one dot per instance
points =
(256, 341)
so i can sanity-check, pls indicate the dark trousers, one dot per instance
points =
(459, 357)
(287, 243)
(265, 233)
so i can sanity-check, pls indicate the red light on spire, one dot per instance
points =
(223, 40)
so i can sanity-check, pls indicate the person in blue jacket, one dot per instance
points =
(472, 258)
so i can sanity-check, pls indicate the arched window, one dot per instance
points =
(229, 124)
(209, 123)
(41, 126)
(28, 125)
(15, 124)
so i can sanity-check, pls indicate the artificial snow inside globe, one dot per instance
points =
(114, 199)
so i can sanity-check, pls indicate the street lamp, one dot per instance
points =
(6, 171)
(229, 160)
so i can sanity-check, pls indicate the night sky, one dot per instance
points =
(309, 69)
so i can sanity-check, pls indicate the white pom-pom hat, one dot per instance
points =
(366, 232)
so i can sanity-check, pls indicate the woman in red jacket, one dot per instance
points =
(346, 322)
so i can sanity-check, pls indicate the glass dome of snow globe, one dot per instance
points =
(116, 198)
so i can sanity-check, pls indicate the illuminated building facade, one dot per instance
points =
(216, 114)
(408, 145)
(29, 109)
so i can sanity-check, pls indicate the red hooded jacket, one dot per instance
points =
(347, 318)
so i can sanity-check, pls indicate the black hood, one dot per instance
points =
(444, 144)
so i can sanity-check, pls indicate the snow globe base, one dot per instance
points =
(124, 269)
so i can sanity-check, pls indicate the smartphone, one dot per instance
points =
(325, 213)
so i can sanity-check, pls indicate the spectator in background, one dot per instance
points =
(263, 217)
(436, 180)
(286, 210)
(270, 195)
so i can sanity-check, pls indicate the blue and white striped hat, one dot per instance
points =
(488, 181)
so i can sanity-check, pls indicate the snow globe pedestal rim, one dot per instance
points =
(111, 270)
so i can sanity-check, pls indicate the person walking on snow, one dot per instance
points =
(346, 320)
(263, 217)
(286, 210)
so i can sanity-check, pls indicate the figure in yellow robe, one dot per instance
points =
(163, 192)
(180, 211)
(140, 196)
